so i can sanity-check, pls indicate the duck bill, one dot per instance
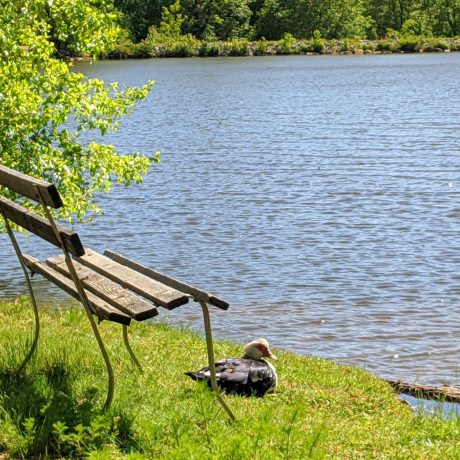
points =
(271, 356)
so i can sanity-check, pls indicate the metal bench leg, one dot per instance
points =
(211, 360)
(84, 300)
(108, 365)
(97, 335)
(86, 304)
(33, 302)
(130, 350)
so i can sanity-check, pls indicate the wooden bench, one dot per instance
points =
(110, 287)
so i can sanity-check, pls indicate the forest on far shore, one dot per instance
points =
(273, 19)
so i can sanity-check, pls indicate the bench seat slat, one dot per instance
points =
(158, 293)
(101, 308)
(176, 284)
(30, 187)
(41, 227)
(107, 290)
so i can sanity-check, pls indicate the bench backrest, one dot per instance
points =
(47, 195)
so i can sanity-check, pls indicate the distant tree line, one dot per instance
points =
(272, 19)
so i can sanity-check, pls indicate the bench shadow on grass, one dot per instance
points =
(44, 415)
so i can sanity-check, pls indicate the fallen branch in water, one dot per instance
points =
(444, 393)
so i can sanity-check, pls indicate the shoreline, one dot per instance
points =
(439, 392)
(188, 46)
(425, 390)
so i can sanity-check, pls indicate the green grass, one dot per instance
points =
(320, 409)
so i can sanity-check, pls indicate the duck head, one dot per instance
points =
(258, 349)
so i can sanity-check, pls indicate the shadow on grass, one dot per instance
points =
(43, 413)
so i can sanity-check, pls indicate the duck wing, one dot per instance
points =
(241, 376)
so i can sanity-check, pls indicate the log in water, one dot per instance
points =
(442, 393)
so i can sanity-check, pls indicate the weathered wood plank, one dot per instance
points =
(41, 227)
(99, 306)
(172, 282)
(440, 393)
(30, 187)
(158, 293)
(107, 290)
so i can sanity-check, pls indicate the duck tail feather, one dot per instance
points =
(193, 375)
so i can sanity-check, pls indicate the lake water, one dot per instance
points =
(318, 195)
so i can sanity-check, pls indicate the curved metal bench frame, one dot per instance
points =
(33, 301)
(47, 196)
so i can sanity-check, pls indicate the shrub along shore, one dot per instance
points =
(189, 46)
(320, 409)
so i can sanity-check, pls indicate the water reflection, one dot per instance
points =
(428, 408)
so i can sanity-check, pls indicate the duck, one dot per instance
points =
(250, 375)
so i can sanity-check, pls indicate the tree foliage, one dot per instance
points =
(77, 26)
(172, 20)
(226, 19)
(223, 19)
(45, 107)
(139, 15)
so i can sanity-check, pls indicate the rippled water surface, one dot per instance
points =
(318, 195)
